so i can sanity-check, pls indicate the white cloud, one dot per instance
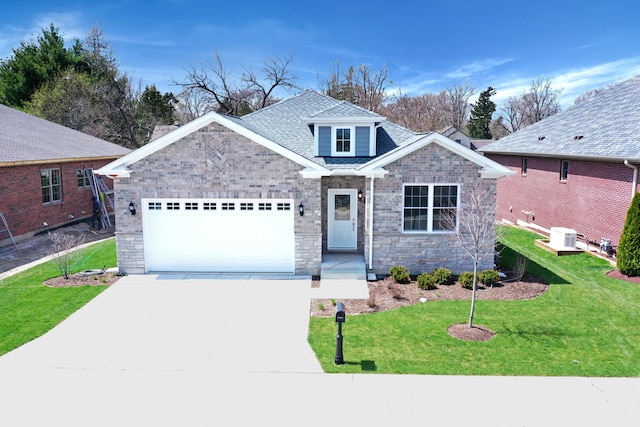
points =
(479, 66)
(572, 83)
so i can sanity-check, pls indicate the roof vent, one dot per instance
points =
(577, 137)
(540, 138)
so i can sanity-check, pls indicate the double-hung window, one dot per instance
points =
(51, 185)
(343, 141)
(430, 208)
(82, 178)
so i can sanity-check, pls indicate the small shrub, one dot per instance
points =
(371, 302)
(520, 266)
(442, 276)
(466, 279)
(427, 281)
(333, 302)
(489, 277)
(395, 291)
(400, 274)
(321, 306)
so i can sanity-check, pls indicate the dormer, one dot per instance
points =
(345, 131)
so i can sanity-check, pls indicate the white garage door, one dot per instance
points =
(219, 235)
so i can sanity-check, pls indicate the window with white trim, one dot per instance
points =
(344, 143)
(430, 208)
(51, 185)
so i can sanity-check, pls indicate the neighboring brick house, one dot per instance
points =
(576, 169)
(275, 190)
(40, 182)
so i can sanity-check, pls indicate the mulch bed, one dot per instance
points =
(97, 279)
(385, 294)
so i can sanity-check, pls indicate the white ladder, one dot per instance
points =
(4, 227)
(102, 193)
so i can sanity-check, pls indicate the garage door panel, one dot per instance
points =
(238, 240)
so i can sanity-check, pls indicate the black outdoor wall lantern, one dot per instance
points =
(301, 209)
(132, 208)
(360, 195)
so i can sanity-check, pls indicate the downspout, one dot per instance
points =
(371, 222)
(635, 177)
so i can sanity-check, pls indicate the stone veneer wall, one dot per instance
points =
(215, 162)
(420, 252)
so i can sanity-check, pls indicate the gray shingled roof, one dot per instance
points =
(607, 126)
(26, 138)
(286, 123)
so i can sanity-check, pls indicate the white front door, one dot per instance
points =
(343, 219)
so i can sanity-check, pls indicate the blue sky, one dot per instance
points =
(427, 46)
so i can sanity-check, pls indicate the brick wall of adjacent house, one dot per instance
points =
(593, 200)
(215, 162)
(421, 252)
(21, 198)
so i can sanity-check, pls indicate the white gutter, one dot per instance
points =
(371, 222)
(635, 177)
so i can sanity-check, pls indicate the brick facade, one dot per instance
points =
(593, 200)
(21, 198)
(205, 164)
(420, 252)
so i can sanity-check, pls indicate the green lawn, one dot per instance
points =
(28, 309)
(586, 324)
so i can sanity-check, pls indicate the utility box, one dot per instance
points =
(562, 238)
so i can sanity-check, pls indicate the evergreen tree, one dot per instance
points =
(480, 118)
(628, 258)
(33, 65)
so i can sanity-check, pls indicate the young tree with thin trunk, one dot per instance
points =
(474, 221)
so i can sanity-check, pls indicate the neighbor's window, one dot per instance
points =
(525, 162)
(51, 185)
(564, 170)
(82, 178)
(343, 143)
(430, 208)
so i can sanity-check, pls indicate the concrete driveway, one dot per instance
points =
(183, 324)
(165, 351)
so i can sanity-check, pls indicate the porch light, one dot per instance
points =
(132, 208)
(301, 209)
(360, 195)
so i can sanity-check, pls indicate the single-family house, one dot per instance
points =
(577, 169)
(42, 180)
(274, 190)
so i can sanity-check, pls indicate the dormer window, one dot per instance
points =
(343, 143)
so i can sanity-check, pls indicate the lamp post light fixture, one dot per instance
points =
(301, 209)
(132, 208)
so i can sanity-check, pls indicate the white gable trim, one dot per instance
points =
(490, 168)
(119, 166)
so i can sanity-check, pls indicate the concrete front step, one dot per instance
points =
(343, 266)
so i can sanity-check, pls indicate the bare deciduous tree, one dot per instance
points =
(63, 250)
(217, 89)
(420, 113)
(477, 234)
(455, 103)
(539, 102)
(359, 85)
